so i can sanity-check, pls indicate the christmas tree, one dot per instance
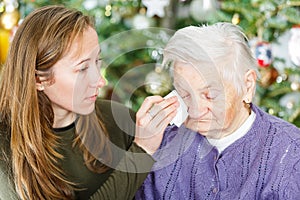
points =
(266, 23)
(132, 50)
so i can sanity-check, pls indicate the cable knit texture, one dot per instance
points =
(263, 164)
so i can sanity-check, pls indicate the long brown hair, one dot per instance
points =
(40, 41)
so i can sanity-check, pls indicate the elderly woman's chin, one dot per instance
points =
(201, 126)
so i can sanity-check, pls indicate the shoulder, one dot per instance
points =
(275, 124)
(118, 119)
(277, 135)
(7, 189)
(4, 141)
(113, 109)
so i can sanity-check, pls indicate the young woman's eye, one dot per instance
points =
(83, 69)
(98, 61)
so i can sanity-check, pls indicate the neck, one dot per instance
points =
(62, 118)
(244, 113)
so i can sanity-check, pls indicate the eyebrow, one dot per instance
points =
(87, 59)
(210, 85)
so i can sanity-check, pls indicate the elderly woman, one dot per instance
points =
(228, 148)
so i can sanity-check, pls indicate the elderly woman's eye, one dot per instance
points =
(211, 95)
(185, 96)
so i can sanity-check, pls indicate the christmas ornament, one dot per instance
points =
(107, 12)
(295, 81)
(155, 7)
(140, 21)
(236, 18)
(294, 45)
(4, 44)
(203, 10)
(268, 76)
(295, 86)
(9, 19)
(158, 82)
(90, 4)
(263, 54)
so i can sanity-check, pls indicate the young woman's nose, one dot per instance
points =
(96, 78)
(101, 82)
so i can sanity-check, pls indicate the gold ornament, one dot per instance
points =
(9, 19)
(236, 19)
(4, 43)
(158, 82)
(268, 76)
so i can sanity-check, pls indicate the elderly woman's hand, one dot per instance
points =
(152, 119)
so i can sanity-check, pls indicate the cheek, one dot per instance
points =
(229, 114)
(230, 110)
(61, 90)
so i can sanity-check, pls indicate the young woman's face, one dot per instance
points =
(77, 77)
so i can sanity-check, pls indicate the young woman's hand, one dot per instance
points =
(152, 119)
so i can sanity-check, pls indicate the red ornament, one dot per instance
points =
(263, 54)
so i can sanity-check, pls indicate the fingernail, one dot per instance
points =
(140, 123)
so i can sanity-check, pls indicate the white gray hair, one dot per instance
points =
(222, 44)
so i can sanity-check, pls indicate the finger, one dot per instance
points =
(155, 128)
(163, 114)
(147, 104)
(142, 117)
(164, 123)
(159, 128)
(162, 105)
(159, 111)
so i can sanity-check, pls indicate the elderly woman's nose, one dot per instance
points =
(197, 109)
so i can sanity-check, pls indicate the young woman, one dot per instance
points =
(57, 140)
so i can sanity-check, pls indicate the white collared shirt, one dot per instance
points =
(224, 142)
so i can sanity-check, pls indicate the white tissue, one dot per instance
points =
(182, 113)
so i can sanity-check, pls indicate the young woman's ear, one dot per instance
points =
(40, 86)
(250, 85)
(42, 79)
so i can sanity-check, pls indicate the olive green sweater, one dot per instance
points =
(120, 182)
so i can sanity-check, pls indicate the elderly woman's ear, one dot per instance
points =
(250, 85)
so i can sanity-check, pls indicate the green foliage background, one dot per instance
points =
(266, 20)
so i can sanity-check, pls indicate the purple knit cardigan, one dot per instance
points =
(263, 164)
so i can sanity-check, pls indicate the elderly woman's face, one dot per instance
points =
(213, 105)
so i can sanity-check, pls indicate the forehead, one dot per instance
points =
(202, 74)
(83, 45)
